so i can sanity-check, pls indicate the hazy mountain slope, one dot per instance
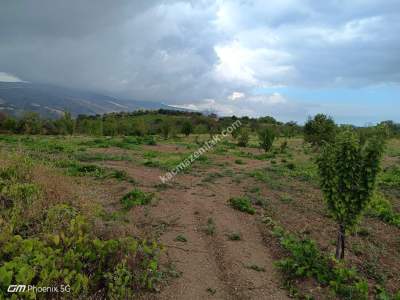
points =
(51, 101)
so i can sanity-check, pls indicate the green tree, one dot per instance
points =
(166, 129)
(69, 123)
(235, 133)
(30, 123)
(187, 128)
(49, 127)
(244, 137)
(65, 124)
(320, 129)
(212, 126)
(266, 138)
(348, 172)
(140, 127)
(10, 124)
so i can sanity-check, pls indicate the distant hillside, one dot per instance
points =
(52, 101)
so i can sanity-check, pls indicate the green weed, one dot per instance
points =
(136, 197)
(306, 261)
(210, 227)
(181, 238)
(242, 204)
(234, 236)
(256, 268)
(381, 208)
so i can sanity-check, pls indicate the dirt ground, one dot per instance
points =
(211, 266)
(191, 217)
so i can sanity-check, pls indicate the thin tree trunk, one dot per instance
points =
(340, 243)
(343, 233)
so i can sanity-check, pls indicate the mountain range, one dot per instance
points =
(51, 101)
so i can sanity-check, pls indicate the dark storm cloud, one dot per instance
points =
(142, 49)
(184, 52)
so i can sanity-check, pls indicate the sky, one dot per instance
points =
(284, 58)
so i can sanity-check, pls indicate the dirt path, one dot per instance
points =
(212, 266)
(208, 265)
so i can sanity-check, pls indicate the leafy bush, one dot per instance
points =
(77, 259)
(242, 204)
(63, 249)
(136, 197)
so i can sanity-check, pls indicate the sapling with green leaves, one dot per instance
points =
(348, 170)
(244, 137)
(266, 137)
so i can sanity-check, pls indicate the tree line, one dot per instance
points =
(172, 122)
(162, 122)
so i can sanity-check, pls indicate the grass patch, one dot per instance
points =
(77, 169)
(268, 178)
(212, 177)
(128, 142)
(286, 199)
(390, 177)
(87, 157)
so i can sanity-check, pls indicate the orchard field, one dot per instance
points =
(239, 223)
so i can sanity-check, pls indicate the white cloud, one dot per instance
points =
(252, 66)
(236, 96)
(240, 104)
